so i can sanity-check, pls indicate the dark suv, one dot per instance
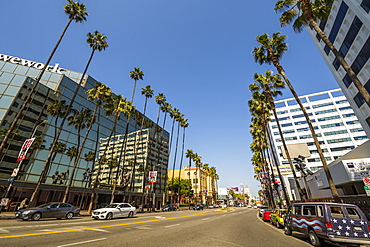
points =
(338, 223)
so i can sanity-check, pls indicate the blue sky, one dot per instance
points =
(198, 53)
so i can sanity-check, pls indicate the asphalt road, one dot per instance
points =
(237, 227)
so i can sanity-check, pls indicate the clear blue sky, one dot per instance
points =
(198, 53)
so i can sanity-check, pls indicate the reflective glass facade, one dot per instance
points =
(16, 79)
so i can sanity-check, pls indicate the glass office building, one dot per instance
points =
(16, 79)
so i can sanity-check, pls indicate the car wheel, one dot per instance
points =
(36, 216)
(287, 230)
(131, 214)
(315, 241)
(277, 224)
(69, 215)
(109, 216)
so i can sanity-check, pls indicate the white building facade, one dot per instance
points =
(348, 28)
(335, 124)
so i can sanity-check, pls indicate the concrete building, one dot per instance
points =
(57, 84)
(348, 28)
(334, 121)
(204, 187)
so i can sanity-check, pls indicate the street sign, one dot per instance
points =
(366, 181)
(367, 189)
(15, 172)
(11, 179)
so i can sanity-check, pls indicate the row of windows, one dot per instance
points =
(318, 159)
(315, 127)
(338, 132)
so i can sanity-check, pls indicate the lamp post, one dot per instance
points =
(15, 171)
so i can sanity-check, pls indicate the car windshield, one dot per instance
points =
(44, 205)
(112, 206)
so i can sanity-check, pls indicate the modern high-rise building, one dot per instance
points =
(17, 76)
(334, 121)
(348, 28)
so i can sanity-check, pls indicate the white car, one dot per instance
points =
(115, 210)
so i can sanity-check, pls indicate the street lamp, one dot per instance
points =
(15, 171)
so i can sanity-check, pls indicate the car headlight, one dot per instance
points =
(27, 211)
(103, 212)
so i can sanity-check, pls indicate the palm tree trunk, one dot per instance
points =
(182, 157)
(323, 160)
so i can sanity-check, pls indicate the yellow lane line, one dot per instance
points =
(99, 227)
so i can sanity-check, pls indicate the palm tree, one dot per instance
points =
(183, 123)
(270, 85)
(76, 12)
(189, 154)
(305, 12)
(57, 110)
(136, 75)
(80, 120)
(178, 118)
(271, 51)
(98, 42)
(60, 148)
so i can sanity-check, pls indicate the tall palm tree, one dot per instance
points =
(76, 12)
(306, 12)
(97, 42)
(270, 51)
(100, 93)
(136, 75)
(60, 148)
(198, 164)
(184, 124)
(178, 117)
(189, 154)
(270, 85)
(80, 120)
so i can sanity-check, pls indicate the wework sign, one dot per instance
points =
(25, 62)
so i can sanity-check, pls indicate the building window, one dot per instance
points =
(327, 118)
(362, 57)
(341, 101)
(356, 130)
(288, 131)
(368, 121)
(331, 125)
(342, 148)
(281, 112)
(345, 108)
(339, 132)
(322, 105)
(307, 129)
(284, 118)
(324, 150)
(325, 111)
(313, 144)
(336, 26)
(358, 138)
(287, 125)
(352, 122)
(346, 80)
(349, 115)
(274, 126)
(339, 140)
(365, 4)
(301, 115)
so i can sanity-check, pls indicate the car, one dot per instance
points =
(277, 217)
(260, 213)
(169, 207)
(56, 210)
(255, 207)
(267, 214)
(114, 210)
(249, 206)
(341, 224)
(223, 205)
(198, 207)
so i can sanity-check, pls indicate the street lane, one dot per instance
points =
(241, 227)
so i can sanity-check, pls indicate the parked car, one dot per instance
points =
(114, 210)
(249, 206)
(169, 207)
(266, 214)
(277, 217)
(211, 206)
(255, 207)
(322, 222)
(198, 207)
(260, 213)
(48, 210)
